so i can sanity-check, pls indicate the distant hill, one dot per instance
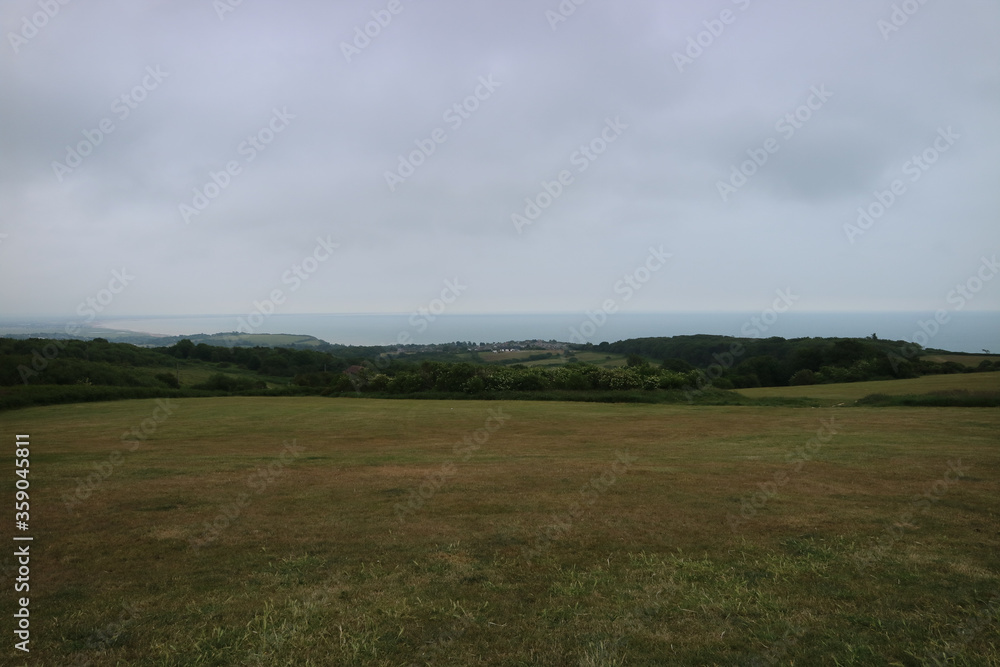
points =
(226, 339)
(37, 371)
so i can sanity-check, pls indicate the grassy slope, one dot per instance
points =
(970, 360)
(596, 358)
(316, 569)
(851, 391)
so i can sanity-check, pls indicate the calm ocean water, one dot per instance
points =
(963, 332)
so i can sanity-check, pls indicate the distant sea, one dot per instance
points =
(968, 331)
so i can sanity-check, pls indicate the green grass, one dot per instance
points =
(852, 391)
(681, 558)
(969, 360)
(606, 360)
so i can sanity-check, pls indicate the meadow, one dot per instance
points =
(852, 391)
(350, 531)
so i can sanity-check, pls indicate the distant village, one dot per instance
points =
(486, 348)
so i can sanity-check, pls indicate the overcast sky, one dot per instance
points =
(114, 113)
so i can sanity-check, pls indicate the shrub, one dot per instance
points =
(802, 377)
(168, 379)
(222, 382)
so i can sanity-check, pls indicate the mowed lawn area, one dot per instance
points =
(852, 391)
(317, 531)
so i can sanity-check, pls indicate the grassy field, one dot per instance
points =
(311, 531)
(596, 358)
(852, 391)
(970, 360)
(193, 373)
(264, 340)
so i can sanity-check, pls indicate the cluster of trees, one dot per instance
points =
(401, 377)
(272, 361)
(99, 362)
(775, 362)
(681, 362)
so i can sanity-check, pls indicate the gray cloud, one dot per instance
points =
(656, 184)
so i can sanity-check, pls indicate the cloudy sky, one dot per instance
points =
(204, 150)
